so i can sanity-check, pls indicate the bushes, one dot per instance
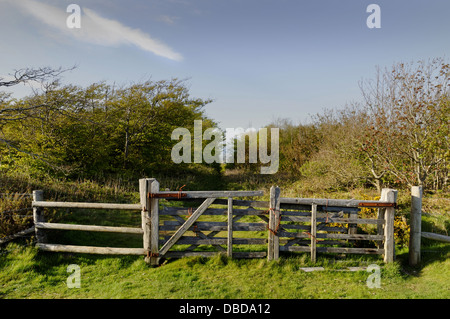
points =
(15, 213)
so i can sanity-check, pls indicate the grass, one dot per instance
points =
(27, 273)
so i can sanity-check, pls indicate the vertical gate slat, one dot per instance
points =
(313, 232)
(230, 228)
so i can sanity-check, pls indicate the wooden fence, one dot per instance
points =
(239, 228)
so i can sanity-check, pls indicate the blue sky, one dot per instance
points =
(258, 59)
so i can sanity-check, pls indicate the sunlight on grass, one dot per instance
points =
(25, 273)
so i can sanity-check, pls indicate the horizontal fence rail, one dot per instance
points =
(86, 205)
(228, 222)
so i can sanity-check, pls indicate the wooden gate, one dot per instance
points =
(200, 226)
(237, 226)
(330, 225)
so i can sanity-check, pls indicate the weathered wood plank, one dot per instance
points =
(181, 254)
(313, 232)
(330, 236)
(380, 215)
(320, 208)
(215, 226)
(17, 235)
(293, 234)
(86, 205)
(180, 211)
(347, 250)
(187, 224)
(230, 228)
(153, 204)
(191, 240)
(38, 216)
(243, 203)
(296, 248)
(439, 237)
(333, 220)
(352, 227)
(331, 202)
(350, 250)
(389, 245)
(91, 249)
(144, 189)
(350, 236)
(213, 194)
(250, 254)
(415, 225)
(110, 229)
(274, 219)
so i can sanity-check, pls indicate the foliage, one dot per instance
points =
(396, 137)
(101, 130)
(15, 213)
(408, 125)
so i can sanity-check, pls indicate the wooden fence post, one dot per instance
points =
(230, 228)
(154, 224)
(38, 196)
(313, 232)
(144, 189)
(273, 247)
(416, 225)
(389, 244)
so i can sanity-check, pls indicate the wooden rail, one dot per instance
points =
(127, 230)
(43, 204)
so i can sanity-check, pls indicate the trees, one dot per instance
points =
(398, 134)
(12, 111)
(100, 130)
(408, 128)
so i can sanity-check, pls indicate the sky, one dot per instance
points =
(258, 60)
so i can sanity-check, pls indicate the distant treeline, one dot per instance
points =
(96, 132)
(397, 135)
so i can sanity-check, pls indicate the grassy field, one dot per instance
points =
(27, 273)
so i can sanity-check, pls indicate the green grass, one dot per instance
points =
(27, 273)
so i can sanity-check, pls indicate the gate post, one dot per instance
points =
(38, 196)
(389, 244)
(154, 224)
(144, 188)
(150, 219)
(416, 225)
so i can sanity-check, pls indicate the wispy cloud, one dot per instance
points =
(168, 19)
(95, 28)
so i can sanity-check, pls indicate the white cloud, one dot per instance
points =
(95, 29)
(168, 19)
